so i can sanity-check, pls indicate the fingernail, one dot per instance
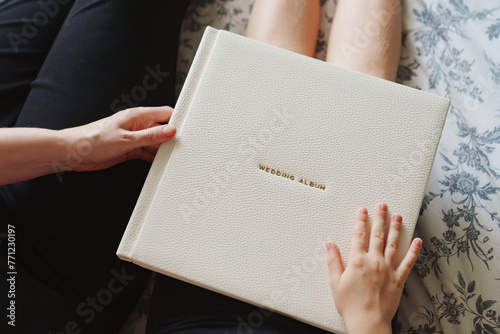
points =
(383, 206)
(168, 129)
(329, 245)
(397, 218)
(363, 211)
(418, 242)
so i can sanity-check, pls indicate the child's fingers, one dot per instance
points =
(359, 238)
(392, 244)
(334, 260)
(409, 261)
(377, 236)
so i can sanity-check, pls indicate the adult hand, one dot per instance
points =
(127, 135)
(367, 292)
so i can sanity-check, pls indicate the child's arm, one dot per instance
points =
(367, 292)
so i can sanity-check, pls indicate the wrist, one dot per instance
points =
(78, 146)
(363, 325)
(64, 158)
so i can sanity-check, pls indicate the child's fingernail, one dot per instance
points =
(329, 246)
(383, 206)
(363, 211)
(397, 218)
(418, 242)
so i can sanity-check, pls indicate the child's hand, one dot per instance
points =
(368, 291)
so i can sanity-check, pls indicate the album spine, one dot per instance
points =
(137, 221)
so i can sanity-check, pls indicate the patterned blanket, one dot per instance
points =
(450, 48)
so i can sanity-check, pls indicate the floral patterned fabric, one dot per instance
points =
(450, 48)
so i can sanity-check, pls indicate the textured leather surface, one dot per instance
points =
(148, 192)
(208, 214)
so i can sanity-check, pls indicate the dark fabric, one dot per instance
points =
(84, 61)
(181, 308)
(27, 31)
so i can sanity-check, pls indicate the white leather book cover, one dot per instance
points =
(274, 154)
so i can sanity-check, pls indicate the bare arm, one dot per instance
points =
(28, 153)
(135, 133)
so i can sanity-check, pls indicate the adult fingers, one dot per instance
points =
(152, 148)
(150, 136)
(335, 265)
(392, 244)
(358, 243)
(141, 117)
(140, 154)
(409, 261)
(377, 236)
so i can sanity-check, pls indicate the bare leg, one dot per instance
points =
(289, 24)
(366, 37)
